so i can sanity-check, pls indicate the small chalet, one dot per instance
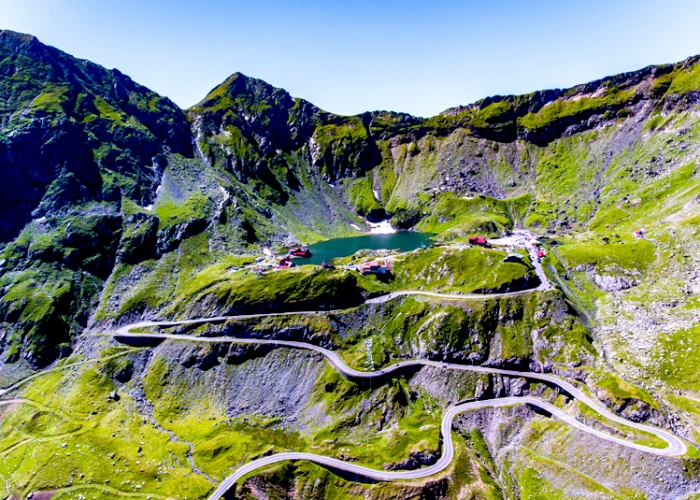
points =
(479, 241)
(374, 268)
(285, 263)
(300, 252)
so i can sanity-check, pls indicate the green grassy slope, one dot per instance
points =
(138, 209)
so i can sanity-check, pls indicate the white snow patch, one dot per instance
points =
(148, 207)
(383, 227)
(40, 219)
(377, 196)
(508, 241)
(356, 227)
(595, 94)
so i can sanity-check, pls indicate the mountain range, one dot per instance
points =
(118, 206)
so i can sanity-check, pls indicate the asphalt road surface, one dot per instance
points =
(448, 451)
(675, 446)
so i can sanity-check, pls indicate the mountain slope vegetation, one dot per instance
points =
(119, 206)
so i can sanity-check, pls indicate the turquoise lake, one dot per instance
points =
(403, 241)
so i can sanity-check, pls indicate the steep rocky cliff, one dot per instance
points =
(75, 140)
(85, 133)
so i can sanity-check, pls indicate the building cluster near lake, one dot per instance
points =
(383, 267)
(375, 268)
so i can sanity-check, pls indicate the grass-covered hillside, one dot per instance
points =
(117, 207)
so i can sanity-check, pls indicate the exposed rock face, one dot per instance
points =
(278, 384)
(296, 487)
(519, 333)
(267, 117)
(503, 118)
(67, 121)
(415, 461)
(92, 136)
(245, 125)
(614, 283)
(63, 172)
(140, 242)
(75, 137)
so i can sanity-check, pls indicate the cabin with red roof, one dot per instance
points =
(479, 241)
(285, 263)
(300, 252)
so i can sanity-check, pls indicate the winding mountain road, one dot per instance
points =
(439, 466)
(675, 446)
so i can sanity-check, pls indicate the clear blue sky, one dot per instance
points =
(356, 55)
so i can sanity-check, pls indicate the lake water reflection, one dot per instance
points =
(403, 241)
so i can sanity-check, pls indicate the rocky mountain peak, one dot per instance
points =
(267, 117)
(86, 132)
(13, 38)
(241, 87)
